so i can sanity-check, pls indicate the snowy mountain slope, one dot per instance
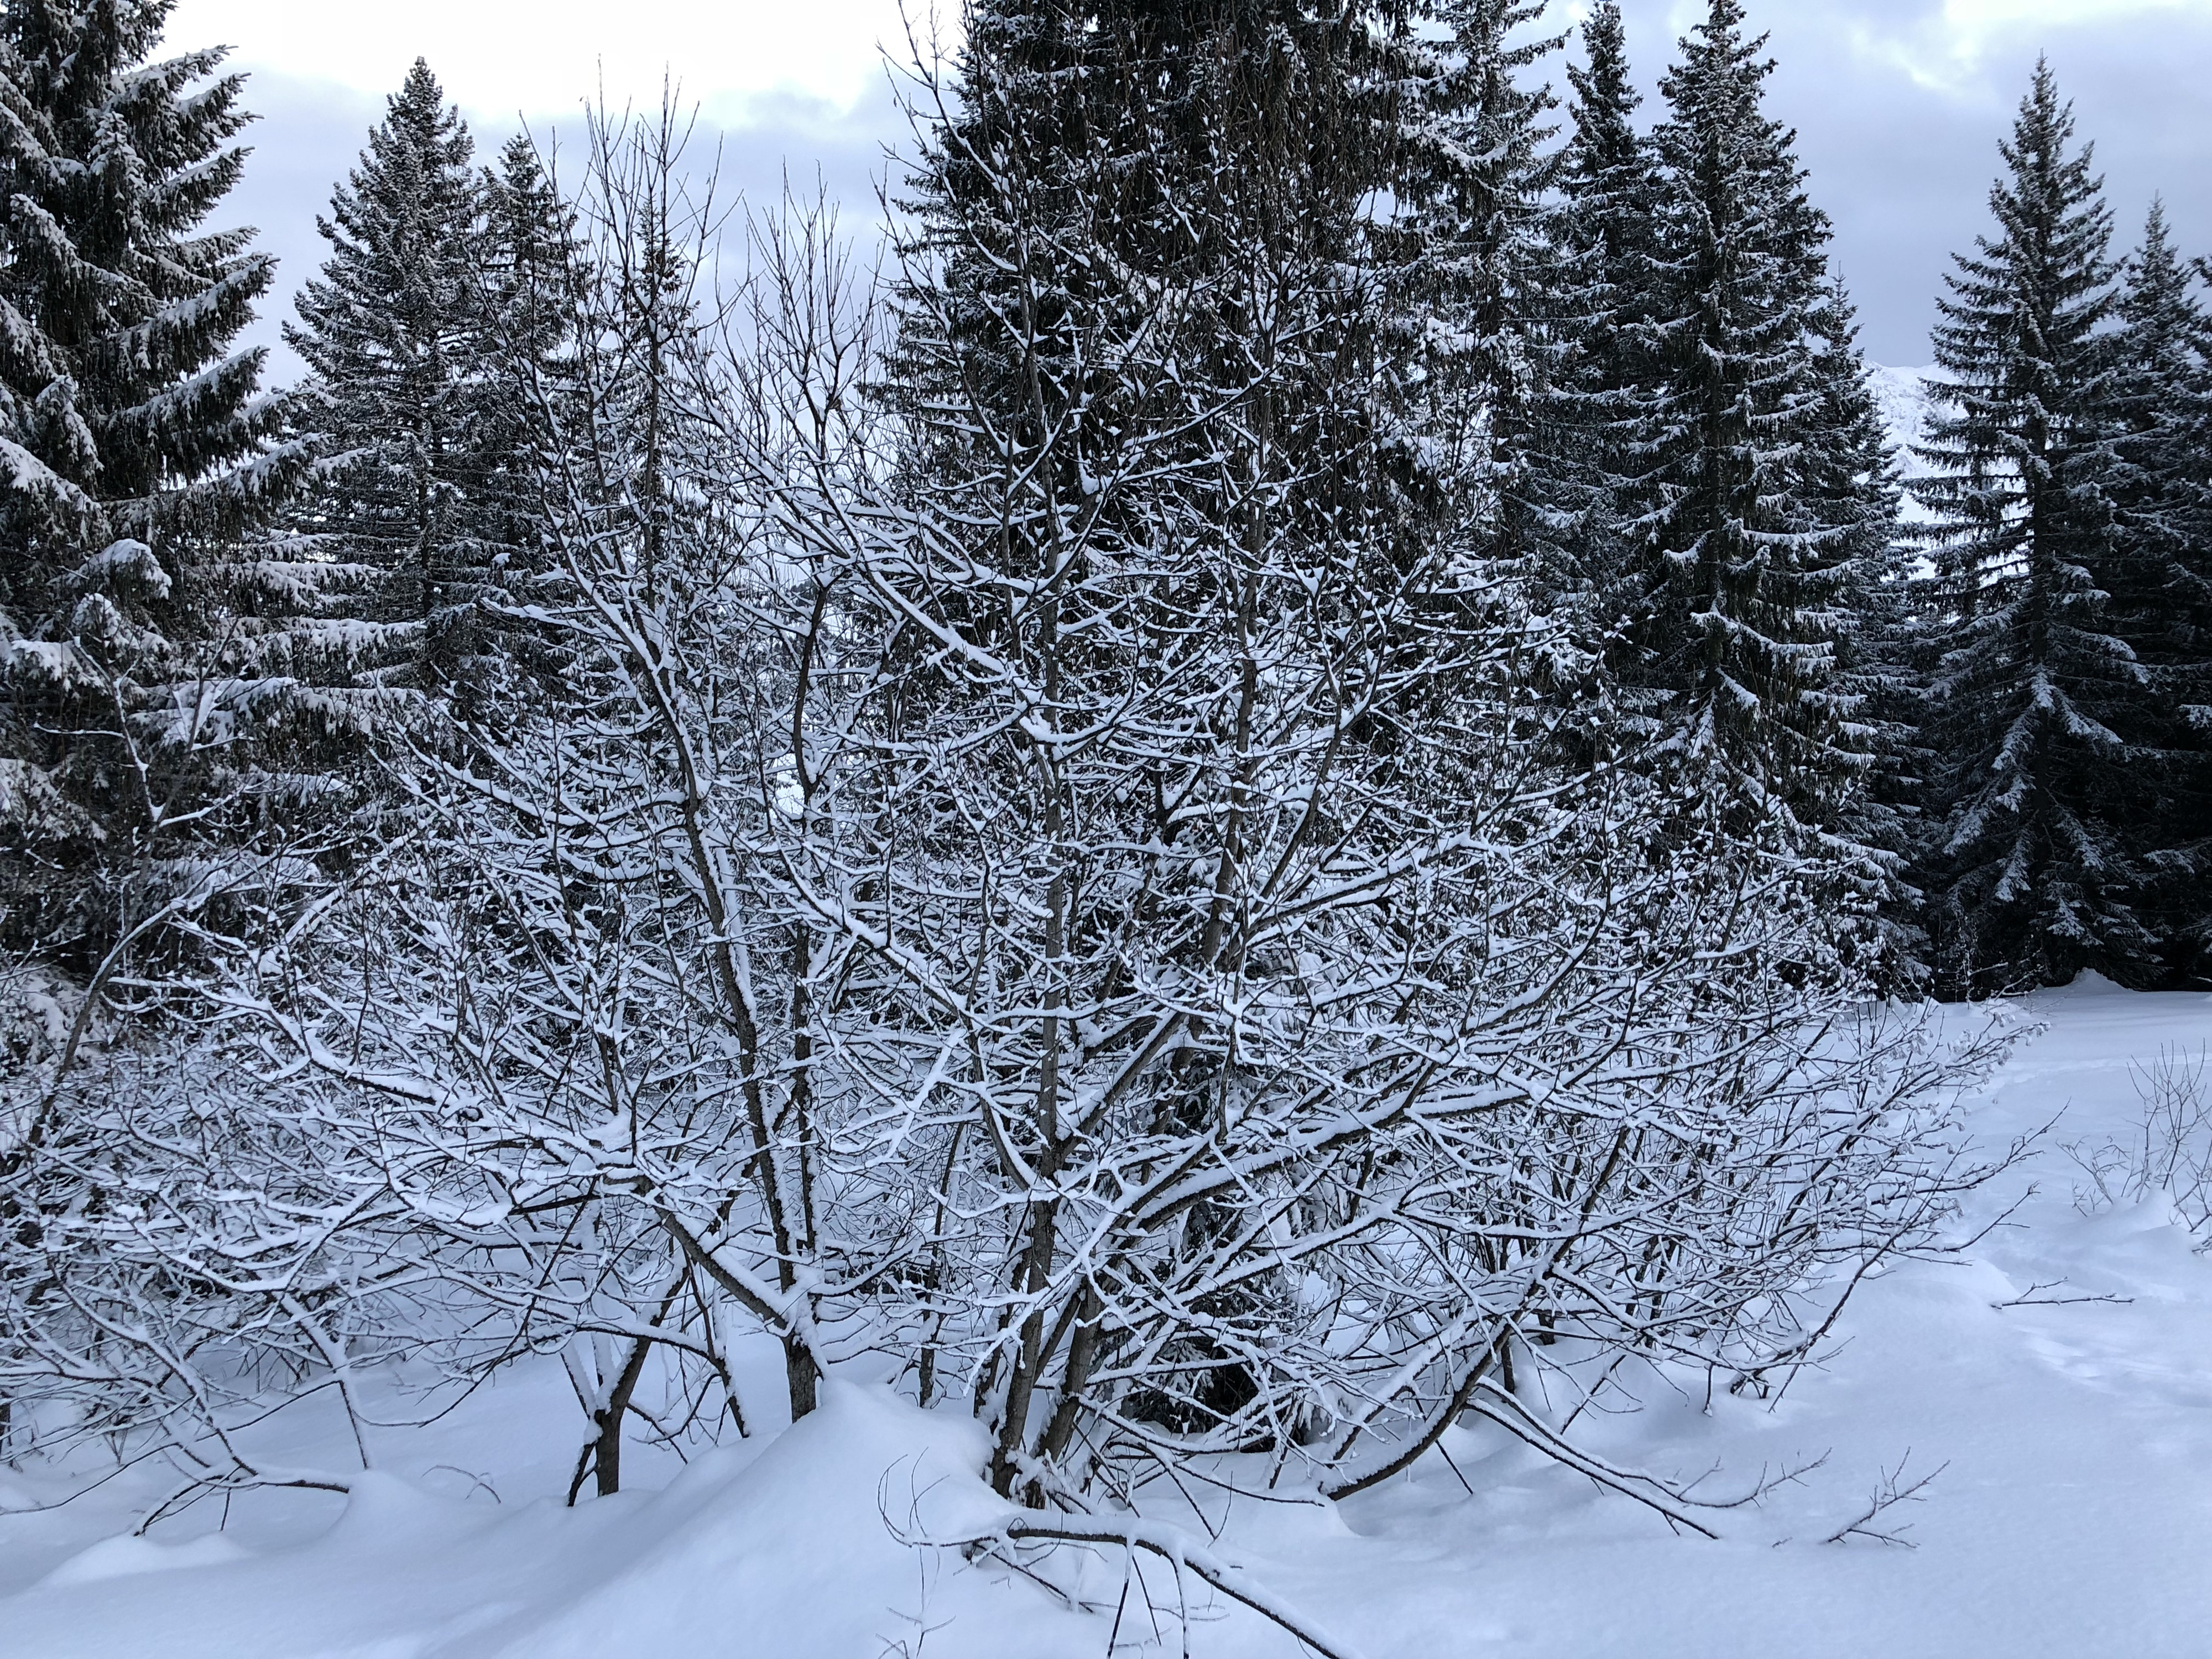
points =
(2074, 1439)
(1902, 395)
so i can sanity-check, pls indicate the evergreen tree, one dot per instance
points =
(1582, 486)
(533, 287)
(132, 452)
(2160, 401)
(400, 398)
(533, 281)
(2031, 877)
(1768, 477)
(1853, 487)
(1472, 177)
(1111, 120)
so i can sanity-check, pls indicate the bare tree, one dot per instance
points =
(1046, 858)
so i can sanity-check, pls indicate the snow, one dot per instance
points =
(1901, 394)
(127, 562)
(2072, 1509)
(118, 1558)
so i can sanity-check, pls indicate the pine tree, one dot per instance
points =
(1472, 177)
(532, 287)
(2030, 875)
(1854, 487)
(1111, 120)
(399, 397)
(2158, 397)
(134, 449)
(1583, 486)
(531, 282)
(1768, 478)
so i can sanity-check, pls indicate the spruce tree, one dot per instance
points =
(2031, 876)
(1581, 488)
(534, 260)
(133, 452)
(1768, 479)
(532, 287)
(1472, 175)
(1853, 487)
(399, 399)
(2160, 401)
(1103, 118)
(1086, 140)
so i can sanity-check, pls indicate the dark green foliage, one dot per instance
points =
(133, 451)
(1472, 252)
(123, 403)
(2039, 699)
(399, 400)
(530, 282)
(1852, 490)
(1766, 484)
(1581, 491)
(1709, 492)
(2159, 399)
(1168, 137)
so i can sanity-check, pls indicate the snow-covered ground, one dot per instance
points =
(2073, 1511)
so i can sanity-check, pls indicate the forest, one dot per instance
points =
(1290, 768)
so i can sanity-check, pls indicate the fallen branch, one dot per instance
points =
(1887, 1496)
(1182, 1552)
(2035, 1299)
(1511, 1415)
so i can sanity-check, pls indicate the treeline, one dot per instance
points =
(1275, 783)
(2002, 715)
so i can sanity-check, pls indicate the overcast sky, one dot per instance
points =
(1899, 103)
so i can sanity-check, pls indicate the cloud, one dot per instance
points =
(309, 133)
(1898, 104)
(537, 58)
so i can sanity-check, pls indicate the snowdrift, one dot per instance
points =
(2058, 1384)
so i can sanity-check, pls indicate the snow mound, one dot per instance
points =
(793, 1549)
(2057, 1383)
(799, 1554)
(119, 1558)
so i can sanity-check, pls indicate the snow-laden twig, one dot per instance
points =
(1183, 1552)
(1888, 1495)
